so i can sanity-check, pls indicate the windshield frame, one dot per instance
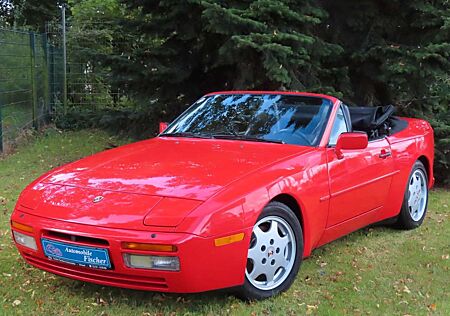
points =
(318, 142)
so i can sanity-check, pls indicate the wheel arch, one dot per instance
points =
(294, 205)
(426, 162)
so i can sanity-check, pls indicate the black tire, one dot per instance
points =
(274, 211)
(405, 219)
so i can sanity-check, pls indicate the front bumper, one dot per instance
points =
(203, 266)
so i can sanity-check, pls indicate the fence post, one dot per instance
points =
(52, 81)
(45, 48)
(63, 8)
(33, 79)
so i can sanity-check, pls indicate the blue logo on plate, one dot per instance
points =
(53, 250)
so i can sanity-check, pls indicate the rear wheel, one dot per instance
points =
(275, 252)
(415, 200)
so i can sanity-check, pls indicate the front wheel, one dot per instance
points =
(274, 254)
(415, 200)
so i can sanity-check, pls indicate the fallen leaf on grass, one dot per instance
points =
(159, 297)
(336, 276)
(311, 308)
(184, 300)
(432, 307)
(361, 250)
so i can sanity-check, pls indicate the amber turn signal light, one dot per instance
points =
(21, 227)
(149, 247)
(228, 239)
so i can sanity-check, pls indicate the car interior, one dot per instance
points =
(376, 121)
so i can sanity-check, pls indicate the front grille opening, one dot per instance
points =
(75, 238)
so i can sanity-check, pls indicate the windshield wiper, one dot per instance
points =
(247, 138)
(222, 136)
(185, 134)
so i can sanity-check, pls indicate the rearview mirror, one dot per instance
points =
(350, 141)
(162, 126)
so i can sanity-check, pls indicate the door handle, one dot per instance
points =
(384, 154)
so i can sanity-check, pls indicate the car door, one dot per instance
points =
(360, 181)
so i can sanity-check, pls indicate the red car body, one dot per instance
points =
(191, 193)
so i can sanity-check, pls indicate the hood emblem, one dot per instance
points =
(98, 199)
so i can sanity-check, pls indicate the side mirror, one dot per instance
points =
(162, 126)
(350, 141)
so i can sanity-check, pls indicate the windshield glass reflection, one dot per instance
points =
(290, 119)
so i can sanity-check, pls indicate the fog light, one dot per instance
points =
(152, 262)
(24, 240)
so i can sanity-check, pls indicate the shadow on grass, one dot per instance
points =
(113, 297)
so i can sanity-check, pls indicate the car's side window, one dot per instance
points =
(339, 127)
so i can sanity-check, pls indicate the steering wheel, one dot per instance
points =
(296, 135)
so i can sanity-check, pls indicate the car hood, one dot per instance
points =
(157, 182)
(171, 167)
(104, 208)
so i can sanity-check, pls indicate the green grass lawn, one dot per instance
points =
(377, 271)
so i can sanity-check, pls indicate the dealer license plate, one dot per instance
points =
(80, 255)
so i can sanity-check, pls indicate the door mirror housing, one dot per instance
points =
(163, 126)
(355, 140)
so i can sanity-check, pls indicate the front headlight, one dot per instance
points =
(151, 262)
(25, 240)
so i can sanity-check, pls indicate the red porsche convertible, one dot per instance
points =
(234, 193)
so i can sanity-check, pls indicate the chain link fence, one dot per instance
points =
(90, 83)
(30, 83)
(64, 73)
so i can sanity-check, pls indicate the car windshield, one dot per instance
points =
(281, 118)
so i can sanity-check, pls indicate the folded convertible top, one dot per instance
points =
(368, 119)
